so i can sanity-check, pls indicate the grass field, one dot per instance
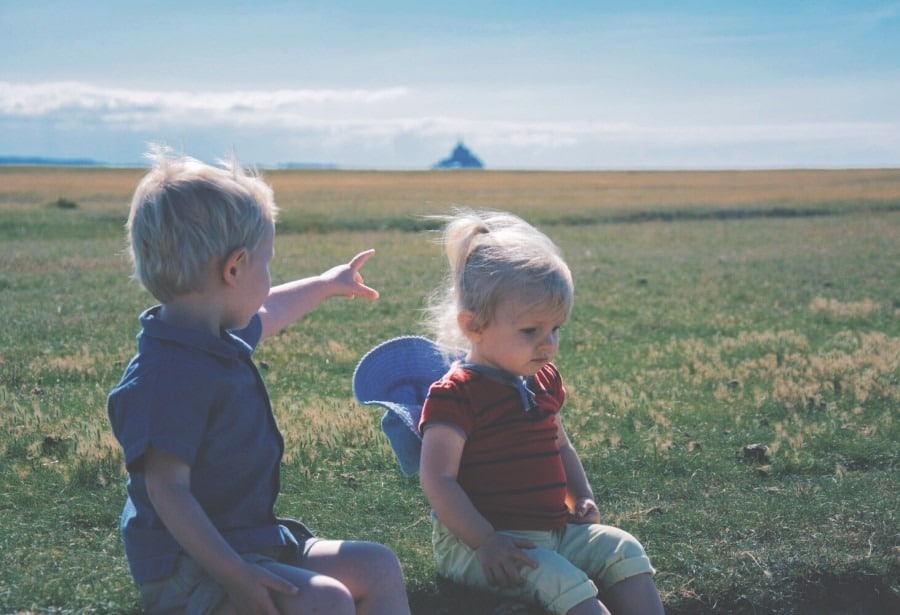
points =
(713, 311)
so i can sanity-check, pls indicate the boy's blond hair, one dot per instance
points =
(187, 215)
(496, 256)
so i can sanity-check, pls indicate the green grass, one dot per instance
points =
(694, 334)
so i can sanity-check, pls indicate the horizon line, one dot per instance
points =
(85, 162)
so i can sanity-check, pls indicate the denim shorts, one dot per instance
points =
(192, 591)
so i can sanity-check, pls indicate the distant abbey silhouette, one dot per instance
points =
(461, 158)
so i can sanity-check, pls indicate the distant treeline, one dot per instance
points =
(50, 162)
(39, 161)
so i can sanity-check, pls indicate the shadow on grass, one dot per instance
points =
(448, 598)
(815, 594)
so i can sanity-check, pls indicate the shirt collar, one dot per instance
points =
(522, 385)
(228, 345)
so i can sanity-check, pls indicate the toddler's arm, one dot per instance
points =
(168, 485)
(290, 301)
(580, 497)
(500, 556)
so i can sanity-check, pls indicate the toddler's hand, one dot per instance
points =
(501, 557)
(586, 511)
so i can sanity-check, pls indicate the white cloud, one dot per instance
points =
(398, 126)
(27, 99)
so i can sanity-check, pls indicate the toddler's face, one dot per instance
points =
(520, 339)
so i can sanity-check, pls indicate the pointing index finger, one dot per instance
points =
(360, 259)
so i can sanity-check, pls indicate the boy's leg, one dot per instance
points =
(317, 593)
(190, 589)
(370, 571)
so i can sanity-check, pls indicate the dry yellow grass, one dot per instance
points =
(578, 190)
(418, 192)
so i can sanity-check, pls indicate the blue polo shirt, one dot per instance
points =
(201, 398)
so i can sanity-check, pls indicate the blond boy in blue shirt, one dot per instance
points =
(201, 446)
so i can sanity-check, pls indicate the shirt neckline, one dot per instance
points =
(227, 345)
(524, 386)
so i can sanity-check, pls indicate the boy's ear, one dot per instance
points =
(232, 265)
(468, 325)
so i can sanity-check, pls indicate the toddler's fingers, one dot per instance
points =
(524, 559)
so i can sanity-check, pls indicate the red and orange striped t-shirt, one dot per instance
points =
(510, 468)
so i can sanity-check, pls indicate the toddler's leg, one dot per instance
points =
(617, 561)
(589, 607)
(636, 594)
(556, 584)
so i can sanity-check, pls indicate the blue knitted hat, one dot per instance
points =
(396, 376)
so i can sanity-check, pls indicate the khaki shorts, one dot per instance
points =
(569, 560)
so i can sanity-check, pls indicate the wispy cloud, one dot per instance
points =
(26, 99)
(362, 112)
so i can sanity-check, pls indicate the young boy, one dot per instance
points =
(193, 417)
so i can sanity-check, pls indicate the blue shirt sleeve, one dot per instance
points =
(163, 406)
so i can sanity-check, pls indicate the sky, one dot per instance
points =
(563, 85)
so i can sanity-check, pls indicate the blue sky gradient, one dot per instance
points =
(394, 85)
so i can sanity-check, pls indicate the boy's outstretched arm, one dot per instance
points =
(248, 586)
(291, 301)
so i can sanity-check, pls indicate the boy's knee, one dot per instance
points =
(382, 566)
(325, 594)
(383, 557)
